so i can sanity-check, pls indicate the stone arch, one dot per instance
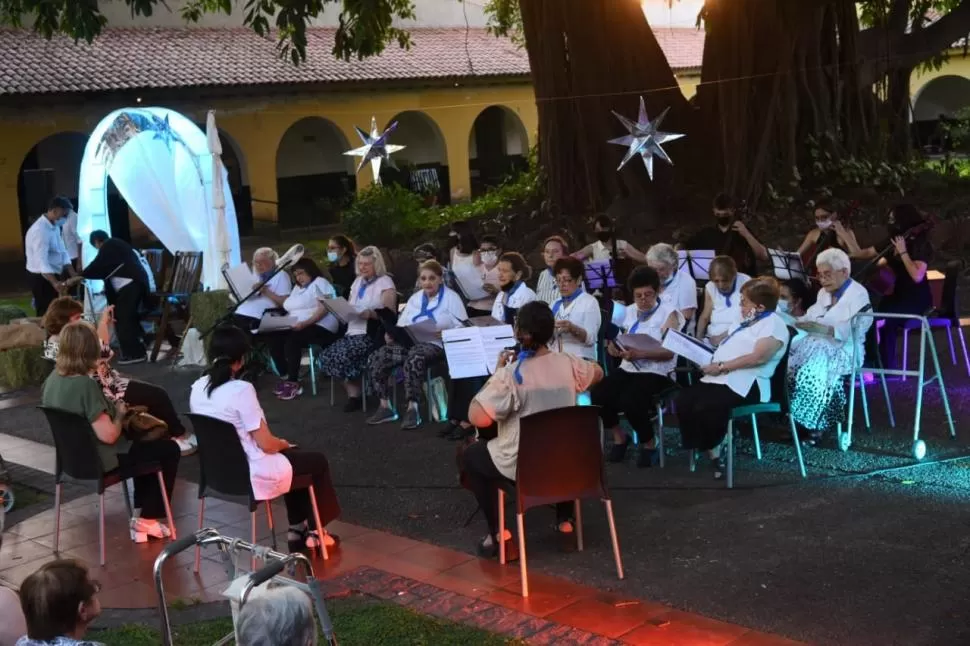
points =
(314, 179)
(943, 97)
(51, 167)
(424, 161)
(498, 146)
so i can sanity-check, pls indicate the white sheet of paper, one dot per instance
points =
(242, 279)
(495, 339)
(424, 331)
(700, 263)
(472, 291)
(340, 308)
(787, 265)
(274, 323)
(688, 347)
(465, 352)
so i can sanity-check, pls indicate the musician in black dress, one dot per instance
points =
(907, 291)
(729, 236)
(830, 232)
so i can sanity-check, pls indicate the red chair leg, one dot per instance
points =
(578, 513)
(269, 520)
(101, 525)
(613, 538)
(198, 548)
(501, 527)
(523, 571)
(321, 532)
(168, 505)
(252, 537)
(57, 515)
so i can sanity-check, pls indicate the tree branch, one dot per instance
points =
(907, 50)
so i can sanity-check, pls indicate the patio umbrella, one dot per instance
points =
(218, 231)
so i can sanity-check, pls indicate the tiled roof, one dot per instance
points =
(684, 46)
(142, 58)
(146, 58)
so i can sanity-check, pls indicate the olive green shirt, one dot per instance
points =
(82, 396)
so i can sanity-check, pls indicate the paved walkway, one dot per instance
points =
(427, 578)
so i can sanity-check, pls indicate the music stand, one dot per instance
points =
(787, 265)
(683, 259)
(700, 263)
(227, 317)
(599, 275)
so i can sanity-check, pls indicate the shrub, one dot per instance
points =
(385, 215)
(10, 313)
(22, 367)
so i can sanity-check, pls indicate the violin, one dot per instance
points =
(881, 279)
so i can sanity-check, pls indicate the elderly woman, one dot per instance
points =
(534, 380)
(823, 357)
(273, 462)
(577, 313)
(280, 616)
(115, 386)
(314, 325)
(341, 254)
(70, 388)
(60, 601)
(739, 373)
(553, 249)
(513, 271)
(676, 287)
(642, 373)
(435, 303)
(346, 359)
(722, 300)
(270, 296)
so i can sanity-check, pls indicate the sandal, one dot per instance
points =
(298, 540)
(487, 548)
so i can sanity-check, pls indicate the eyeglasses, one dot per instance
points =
(565, 280)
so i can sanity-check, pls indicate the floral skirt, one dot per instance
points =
(816, 382)
(346, 358)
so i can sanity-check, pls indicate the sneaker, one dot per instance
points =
(354, 404)
(150, 527)
(291, 390)
(279, 388)
(126, 361)
(188, 443)
(717, 468)
(412, 419)
(383, 414)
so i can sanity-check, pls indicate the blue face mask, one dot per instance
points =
(333, 256)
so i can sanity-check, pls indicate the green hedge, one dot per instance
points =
(10, 313)
(23, 367)
(207, 308)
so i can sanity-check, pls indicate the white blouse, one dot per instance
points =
(583, 311)
(366, 295)
(279, 284)
(547, 290)
(303, 304)
(652, 326)
(741, 341)
(682, 291)
(602, 251)
(839, 316)
(488, 277)
(446, 308)
(723, 315)
(516, 298)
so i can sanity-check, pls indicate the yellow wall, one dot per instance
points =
(956, 65)
(257, 125)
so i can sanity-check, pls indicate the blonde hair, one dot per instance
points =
(380, 269)
(78, 349)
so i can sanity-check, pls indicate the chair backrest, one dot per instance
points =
(223, 465)
(948, 299)
(779, 378)
(560, 457)
(186, 273)
(75, 445)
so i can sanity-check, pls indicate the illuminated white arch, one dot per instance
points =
(160, 162)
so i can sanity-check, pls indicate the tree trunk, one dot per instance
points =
(588, 58)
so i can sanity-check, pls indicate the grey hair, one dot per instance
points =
(266, 251)
(836, 259)
(281, 616)
(664, 254)
(380, 268)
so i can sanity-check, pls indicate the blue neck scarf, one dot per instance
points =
(363, 287)
(266, 275)
(841, 290)
(515, 288)
(643, 317)
(520, 359)
(746, 324)
(667, 282)
(566, 300)
(727, 295)
(429, 313)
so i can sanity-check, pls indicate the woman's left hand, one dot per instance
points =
(564, 327)
(899, 242)
(299, 325)
(712, 369)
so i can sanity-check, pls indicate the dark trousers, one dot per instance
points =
(127, 302)
(43, 293)
(632, 394)
(159, 404)
(483, 479)
(297, 502)
(287, 348)
(703, 410)
(148, 497)
(463, 391)
(917, 302)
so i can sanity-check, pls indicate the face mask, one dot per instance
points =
(604, 236)
(723, 220)
(489, 257)
(823, 224)
(783, 306)
(333, 256)
(747, 317)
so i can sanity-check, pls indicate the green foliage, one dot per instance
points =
(876, 14)
(505, 19)
(22, 367)
(384, 215)
(207, 308)
(11, 313)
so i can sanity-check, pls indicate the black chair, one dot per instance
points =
(946, 316)
(224, 468)
(76, 450)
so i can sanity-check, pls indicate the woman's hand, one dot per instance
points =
(564, 327)
(107, 316)
(505, 357)
(716, 339)
(612, 350)
(712, 369)
(299, 325)
(121, 408)
(899, 243)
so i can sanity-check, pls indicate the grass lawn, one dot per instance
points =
(357, 622)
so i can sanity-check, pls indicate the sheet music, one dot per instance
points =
(495, 339)
(465, 352)
(340, 308)
(688, 347)
(641, 342)
(700, 263)
(275, 323)
(787, 265)
(424, 331)
(241, 279)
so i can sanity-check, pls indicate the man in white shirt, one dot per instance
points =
(271, 296)
(47, 259)
(72, 241)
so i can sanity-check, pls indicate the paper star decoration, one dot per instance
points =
(645, 139)
(375, 149)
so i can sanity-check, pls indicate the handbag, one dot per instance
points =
(141, 426)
